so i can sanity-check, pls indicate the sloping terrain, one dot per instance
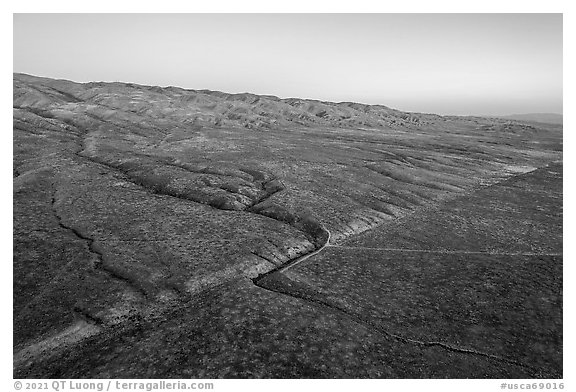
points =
(163, 232)
(547, 118)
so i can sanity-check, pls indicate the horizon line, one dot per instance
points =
(288, 98)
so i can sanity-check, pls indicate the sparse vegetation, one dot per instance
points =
(142, 215)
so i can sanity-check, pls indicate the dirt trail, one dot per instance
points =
(448, 252)
(278, 282)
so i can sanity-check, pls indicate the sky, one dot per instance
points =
(465, 64)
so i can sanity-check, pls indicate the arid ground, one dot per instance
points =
(172, 233)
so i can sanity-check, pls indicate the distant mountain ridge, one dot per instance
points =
(218, 109)
(209, 108)
(547, 118)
